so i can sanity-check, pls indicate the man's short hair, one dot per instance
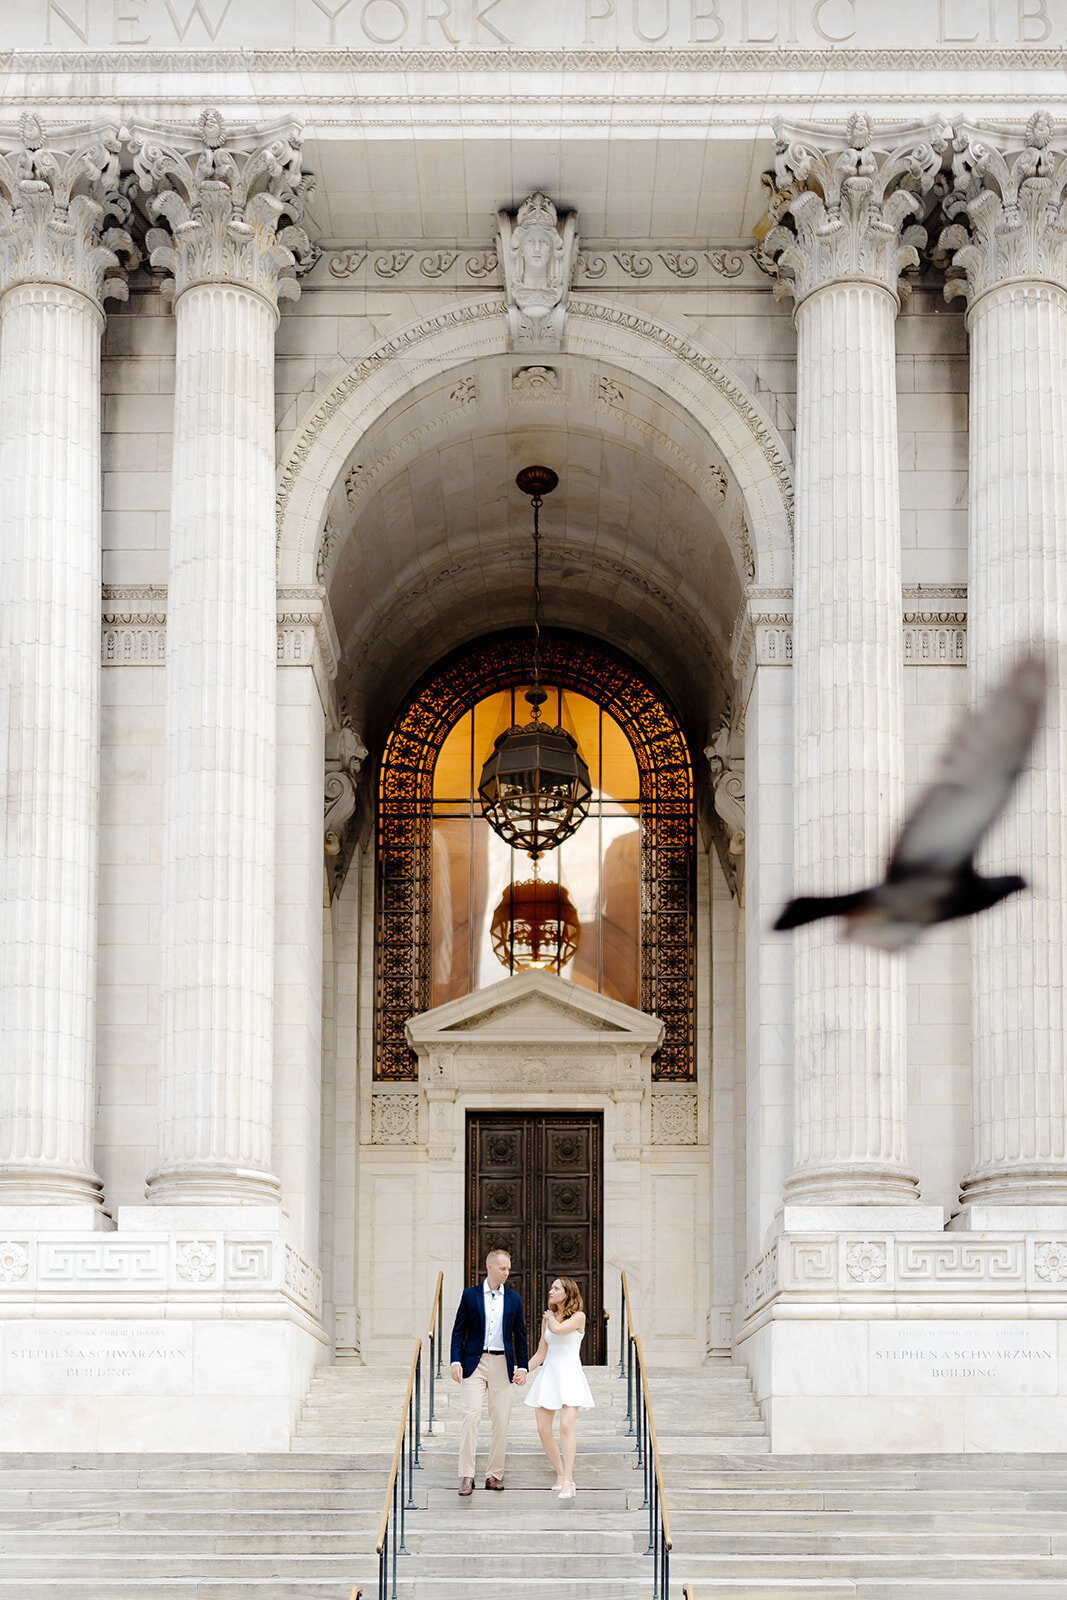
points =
(496, 1252)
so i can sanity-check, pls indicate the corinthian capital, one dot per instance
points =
(1009, 196)
(58, 190)
(841, 207)
(231, 199)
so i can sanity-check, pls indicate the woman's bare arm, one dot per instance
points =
(541, 1352)
(577, 1321)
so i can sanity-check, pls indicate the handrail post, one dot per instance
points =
(431, 1372)
(622, 1319)
(440, 1322)
(418, 1409)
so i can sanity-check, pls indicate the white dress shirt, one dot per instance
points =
(494, 1318)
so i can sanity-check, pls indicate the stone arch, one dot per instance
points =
(604, 331)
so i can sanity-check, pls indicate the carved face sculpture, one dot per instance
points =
(538, 286)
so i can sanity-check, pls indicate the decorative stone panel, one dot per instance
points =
(394, 1118)
(674, 1118)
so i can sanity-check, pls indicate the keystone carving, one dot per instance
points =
(539, 255)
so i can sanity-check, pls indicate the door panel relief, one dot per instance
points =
(534, 1188)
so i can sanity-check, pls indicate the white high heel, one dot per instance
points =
(568, 1491)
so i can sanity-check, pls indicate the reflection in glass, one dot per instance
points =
(598, 867)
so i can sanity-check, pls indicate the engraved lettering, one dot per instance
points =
(126, 16)
(824, 32)
(442, 19)
(592, 16)
(396, 11)
(944, 37)
(748, 37)
(1033, 11)
(697, 17)
(199, 8)
(481, 20)
(652, 38)
(54, 9)
(331, 16)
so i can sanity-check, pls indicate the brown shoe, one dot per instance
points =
(466, 1486)
(494, 1483)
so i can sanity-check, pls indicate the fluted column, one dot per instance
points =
(1009, 249)
(224, 195)
(57, 257)
(842, 241)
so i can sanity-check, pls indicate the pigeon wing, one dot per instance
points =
(978, 770)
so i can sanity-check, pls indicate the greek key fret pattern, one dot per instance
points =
(956, 1266)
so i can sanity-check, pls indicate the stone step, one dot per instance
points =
(909, 1568)
(136, 1587)
(847, 1543)
(857, 1499)
(686, 1524)
(152, 1568)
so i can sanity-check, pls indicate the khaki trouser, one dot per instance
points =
(490, 1377)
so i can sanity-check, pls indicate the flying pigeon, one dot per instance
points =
(930, 877)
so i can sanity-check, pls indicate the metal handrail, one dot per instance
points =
(434, 1341)
(398, 1496)
(639, 1412)
(391, 1538)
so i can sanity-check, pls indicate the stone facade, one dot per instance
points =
(277, 327)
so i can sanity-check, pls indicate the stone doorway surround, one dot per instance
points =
(535, 1042)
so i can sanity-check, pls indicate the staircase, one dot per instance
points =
(747, 1525)
(161, 1527)
(524, 1544)
(753, 1526)
(217, 1527)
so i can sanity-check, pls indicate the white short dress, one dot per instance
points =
(560, 1381)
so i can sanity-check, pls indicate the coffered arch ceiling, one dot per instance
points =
(428, 542)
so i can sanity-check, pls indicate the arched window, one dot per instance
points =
(628, 869)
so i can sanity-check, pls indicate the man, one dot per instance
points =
(489, 1357)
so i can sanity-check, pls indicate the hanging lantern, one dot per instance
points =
(535, 925)
(535, 789)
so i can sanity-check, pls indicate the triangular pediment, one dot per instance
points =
(535, 1006)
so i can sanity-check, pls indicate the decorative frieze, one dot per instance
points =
(306, 634)
(133, 625)
(202, 1264)
(935, 625)
(604, 266)
(928, 1267)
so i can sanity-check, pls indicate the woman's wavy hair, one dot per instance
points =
(573, 1298)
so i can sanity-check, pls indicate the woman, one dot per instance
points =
(560, 1385)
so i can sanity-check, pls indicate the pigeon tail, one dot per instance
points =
(812, 907)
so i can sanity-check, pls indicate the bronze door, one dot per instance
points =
(535, 1189)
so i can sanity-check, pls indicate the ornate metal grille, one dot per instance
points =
(405, 839)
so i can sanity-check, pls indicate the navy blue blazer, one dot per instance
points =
(468, 1331)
